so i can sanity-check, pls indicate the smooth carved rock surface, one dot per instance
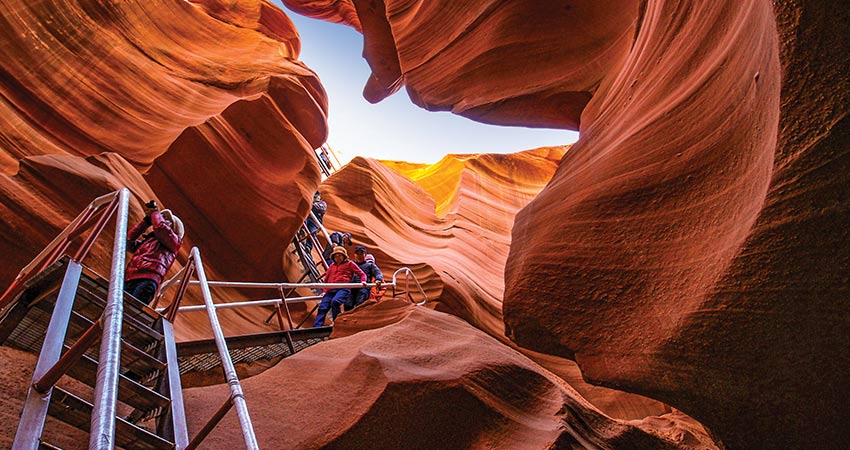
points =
(692, 246)
(475, 58)
(406, 385)
(208, 100)
(451, 223)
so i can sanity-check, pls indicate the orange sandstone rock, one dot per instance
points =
(459, 250)
(209, 101)
(449, 221)
(692, 245)
(406, 385)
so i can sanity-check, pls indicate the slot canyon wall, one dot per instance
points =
(195, 96)
(692, 246)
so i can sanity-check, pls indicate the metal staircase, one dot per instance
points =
(148, 380)
(84, 326)
(87, 328)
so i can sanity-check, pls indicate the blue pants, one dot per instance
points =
(311, 227)
(358, 296)
(332, 300)
(142, 288)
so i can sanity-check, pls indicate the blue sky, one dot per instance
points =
(395, 128)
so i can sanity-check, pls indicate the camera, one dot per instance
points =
(151, 204)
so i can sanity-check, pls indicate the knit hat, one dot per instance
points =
(369, 257)
(176, 223)
(360, 248)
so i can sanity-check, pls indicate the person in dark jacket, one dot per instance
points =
(319, 208)
(341, 271)
(338, 239)
(153, 253)
(373, 274)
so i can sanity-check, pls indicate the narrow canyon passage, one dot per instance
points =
(677, 278)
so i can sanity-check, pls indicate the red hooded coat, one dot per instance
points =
(343, 273)
(154, 252)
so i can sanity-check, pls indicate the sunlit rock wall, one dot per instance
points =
(207, 100)
(692, 246)
(449, 221)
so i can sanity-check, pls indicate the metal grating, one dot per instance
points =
(206, 361)
(28, 335)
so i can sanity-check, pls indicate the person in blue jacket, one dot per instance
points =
(373, 274)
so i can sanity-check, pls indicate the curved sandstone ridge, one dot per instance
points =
(406, 385)
(476, 58)
(692, 246)
(209, 100)
(451, 223)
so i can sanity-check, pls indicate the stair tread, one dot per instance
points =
(129, 392)
(133, 359)
(85, 313)
(137, 360)
(95, 280)
(130, 316)
(81, 323)
(75, 411)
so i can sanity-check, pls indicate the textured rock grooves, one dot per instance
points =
(198, 100)
(691, 247)
(698, 228)
(451, 223)
(427, 380)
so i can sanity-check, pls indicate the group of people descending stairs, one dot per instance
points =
(331, 263)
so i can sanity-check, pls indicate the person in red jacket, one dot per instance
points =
(153, 253)
(342, 270)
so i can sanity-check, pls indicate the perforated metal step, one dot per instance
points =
(202, 355)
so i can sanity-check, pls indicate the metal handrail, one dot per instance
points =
(106, 387)
(332, 153)
(321, 226)
(407, 274)
(236, 395)
(50, 366)
(53, 251)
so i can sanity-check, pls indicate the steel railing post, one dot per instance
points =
(175, 391)
(35, 408)
(236, 394)
(106, 388)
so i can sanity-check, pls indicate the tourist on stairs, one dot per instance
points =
(373, 274)
(342, 270)
(338, 239)
(318, 209)
(153, 253)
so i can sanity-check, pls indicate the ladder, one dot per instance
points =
(84, 326)
(323, 155)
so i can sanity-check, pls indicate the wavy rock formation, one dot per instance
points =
(406, 385)
(197, 97)
(451, 223)
(698, 228)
